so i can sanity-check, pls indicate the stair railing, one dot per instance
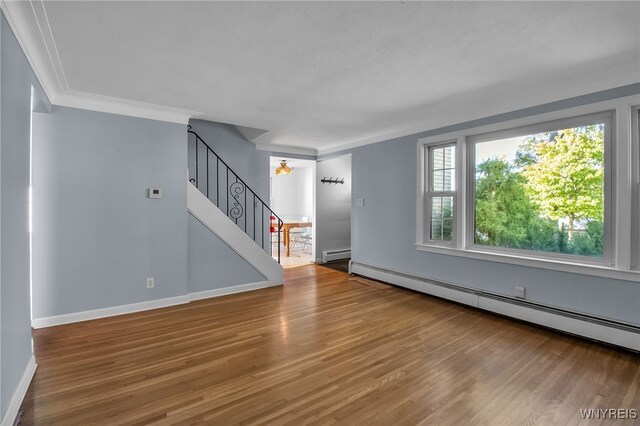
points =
(223, 187)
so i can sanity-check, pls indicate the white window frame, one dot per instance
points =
(429, 193)
(472, 141)
(622, 175)
(635, 210)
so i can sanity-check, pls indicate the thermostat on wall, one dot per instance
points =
(155, 192)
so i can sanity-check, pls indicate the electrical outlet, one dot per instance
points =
(151, 282)
(519, 292)
(155, 192)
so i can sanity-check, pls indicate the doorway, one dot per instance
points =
(292, 197)
(333, 209)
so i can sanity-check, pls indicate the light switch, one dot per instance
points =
(359, 202)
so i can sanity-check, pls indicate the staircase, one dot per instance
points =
(225, 204)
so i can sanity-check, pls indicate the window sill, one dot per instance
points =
(552, 264)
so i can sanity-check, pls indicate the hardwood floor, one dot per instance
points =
(297, 257)
(325, 348)
(337, 265)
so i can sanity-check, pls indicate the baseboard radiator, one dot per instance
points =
(615, 333)
(329, 255)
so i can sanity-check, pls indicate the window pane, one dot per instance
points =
(447, 229)
(441, 179)
(443, 169)
(449, 157)
(441, 219)
(436, 229)
(447, 180)
(438, 180)
(447, 207)
(436, 207)
(438, 159)
(542, 192)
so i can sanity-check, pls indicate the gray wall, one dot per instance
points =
(97, 236)
(292, 195)
(241, 155)
(16, 79)
(384, 174)
(333, 205)
(250, 164)
(212, 264)
(3, 405)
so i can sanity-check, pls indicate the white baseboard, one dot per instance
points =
(572, 325)
(216, 292)
(144, 306)
(107, 312)
(331, 255)
(549, 317)
(18, 396)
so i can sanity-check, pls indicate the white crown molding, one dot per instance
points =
(17, 16)
(454, 112)
(41, 52)
(112, 105)
(44, 28)
(286, 149)
(339, 148)
(466, 113)
(29, 21)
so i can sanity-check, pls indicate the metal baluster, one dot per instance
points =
(243, 187)
(235, 200)
(270, 250)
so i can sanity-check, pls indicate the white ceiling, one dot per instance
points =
(327, 75)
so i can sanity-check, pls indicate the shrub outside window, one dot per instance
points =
(544, 190)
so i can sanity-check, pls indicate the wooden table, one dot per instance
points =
(286, 228)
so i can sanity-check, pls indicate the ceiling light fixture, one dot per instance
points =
(284, 169)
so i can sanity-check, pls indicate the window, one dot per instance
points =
(440, 194)
(560, 191)
(543, 189)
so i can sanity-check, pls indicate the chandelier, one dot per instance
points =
(284, 169)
